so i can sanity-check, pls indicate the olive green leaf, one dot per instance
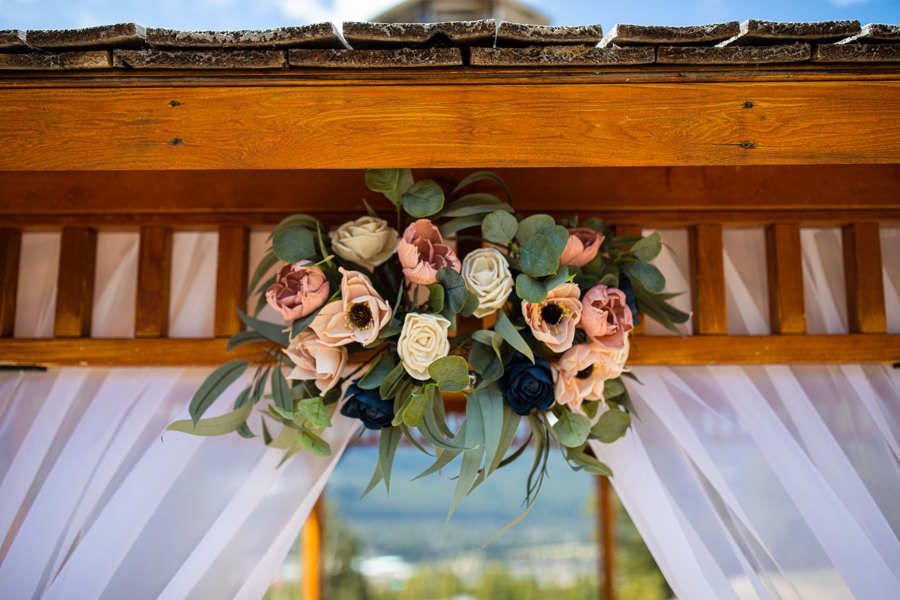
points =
(648, 275)
(572, 429)
(415, 410)
(308, 440)
(510, 334)
(451, 373)
(423, 199)
(217, 425)
(533, 225)
(373, 378)
(539, 257)
(611, 426)
(454, 289)
(293, 244)
(382, 180)
(470, 306)
(499, 227)
(217, 382)
(559, 236)
(648, 248)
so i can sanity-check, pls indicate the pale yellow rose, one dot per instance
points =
(315, 360)
(487, 276)
(423, 340)
(366, 241)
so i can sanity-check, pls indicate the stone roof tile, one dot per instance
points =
(123, 35)
(318, 35)
(658, 35)
(519, 35)
(363, 36)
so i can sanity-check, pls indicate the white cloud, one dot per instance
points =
(317, 11)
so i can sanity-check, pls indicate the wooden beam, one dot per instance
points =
(645, 350)
(151, 315)
(313, 535)
(635, 230)
(787, 309)
(708, 280)
(607, 523)
(10, 246)
(401, 124)
(75, 287)
(231, 279)
(864, 279)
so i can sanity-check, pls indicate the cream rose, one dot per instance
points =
(366, 241)
(423, 340)
(487, 276)
(619, 356)
(315, 360)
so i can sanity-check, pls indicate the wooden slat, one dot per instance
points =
(452, 125)
(312, 547)
(231, 279)
(645, 350)
(863, 276)
(10, 246)
(151, 316)
(75, 288)
(787, 308)
(635, 230)
(607, 523)
(708, 280)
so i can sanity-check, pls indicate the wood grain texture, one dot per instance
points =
(151, 315)
(708, 279)
(864, 279)
(312, 544)
(607, 525)
(75, 287)
(636, 230)
(460, 125)
(677, 193)
(787, 308)
(231, 279)
(10, 246)
(645, 350)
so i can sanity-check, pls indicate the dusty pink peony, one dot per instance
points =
(299, 289)
(583, 371)
(582, 247)
(553, 321)
(357, 317)
(315, 360)
(422, 252)
(606, 318)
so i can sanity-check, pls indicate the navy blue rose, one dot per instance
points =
(525, 385)
(628, 290)
(368, 407)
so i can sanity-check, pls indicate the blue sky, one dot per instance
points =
(264, 14)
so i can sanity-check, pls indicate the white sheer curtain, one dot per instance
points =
(93, 504)
(773, 481)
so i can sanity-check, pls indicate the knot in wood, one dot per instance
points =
(748, 104)
(174, 103)
(747, 145)
(175, 142)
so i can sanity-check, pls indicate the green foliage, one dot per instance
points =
(217, 382)
(534, 290)
(451, 373)
(268, 261)
(300, 325)
(414, 411)
(470, 306)
(217, 425)
(423, 199)
(373, 378)
(270, 331)
(648, 275)
(308, 440)
(314, 411)
(454, 289)
(392, 382)
(511, 335)
(486, 360)
(281, 392)
(471, 462)
(655, 307)
(499, 227)
(572, 429)
(538, 256)
(559, 236)
(293, 244)
(244, 337)
(482, 176)
(533, 225)
(613, 388)
(473, 204)
(648, 248)
(382, 180)
(611, 426)
(387, 448)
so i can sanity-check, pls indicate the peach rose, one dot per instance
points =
(582, 247)
(358, 317)
(315, 360)
(583, 372)
(422, 252)
(553, 321)
(607, 318)
(299, 289)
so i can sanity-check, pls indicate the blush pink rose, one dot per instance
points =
(582, 247)
(315, 360)
(583, 371)
(299, 289)
(553, 321)
(422, 252)
(606, 318)
(357, 317)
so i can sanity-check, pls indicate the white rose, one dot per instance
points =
(487, 276)
(366, 241)
(423, 340)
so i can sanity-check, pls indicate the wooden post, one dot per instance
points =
(312, 536)
(10, 245)
(862, 272)
(787, 309)
(231, 280)
(607, 524)
(75, 288)
(708, 280)
(151, 315)
(635, 230)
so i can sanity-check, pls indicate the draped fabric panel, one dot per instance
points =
(93, 503)
(754, 482)
(770, 481)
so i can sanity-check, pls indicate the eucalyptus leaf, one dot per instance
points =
(270, 331)
(376, 479)
(648, 248)
(598, 225)
(404, 181)
(539, 257)
(472, 458)
(415, 410)
(611, 426)
(533, 225)
(388, 387)
(382, 180)
(470, 306)
(613, 388)
(293, 244)
(511, 422)
(481, 176)
(499, 227)
(215, 426)
(315, 412)
(454, 289)
(296, 221)
(451, 373)
(374, 377)
(460, 223)
(387, 448)
(445, 457)
(491, 403)
(473, 204)
(423, 199)
(609, 280)
(648, 275)
(658, 309)
(530, 289)
(244, 337)
(243, 397)
(312, 442)
(300, 325)
(281, 392)
(436, 297)
(559, 236)
(213, 386)
(510, 334)
(572, 429)
(486, 361)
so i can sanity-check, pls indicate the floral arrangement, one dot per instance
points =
(551, 291)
